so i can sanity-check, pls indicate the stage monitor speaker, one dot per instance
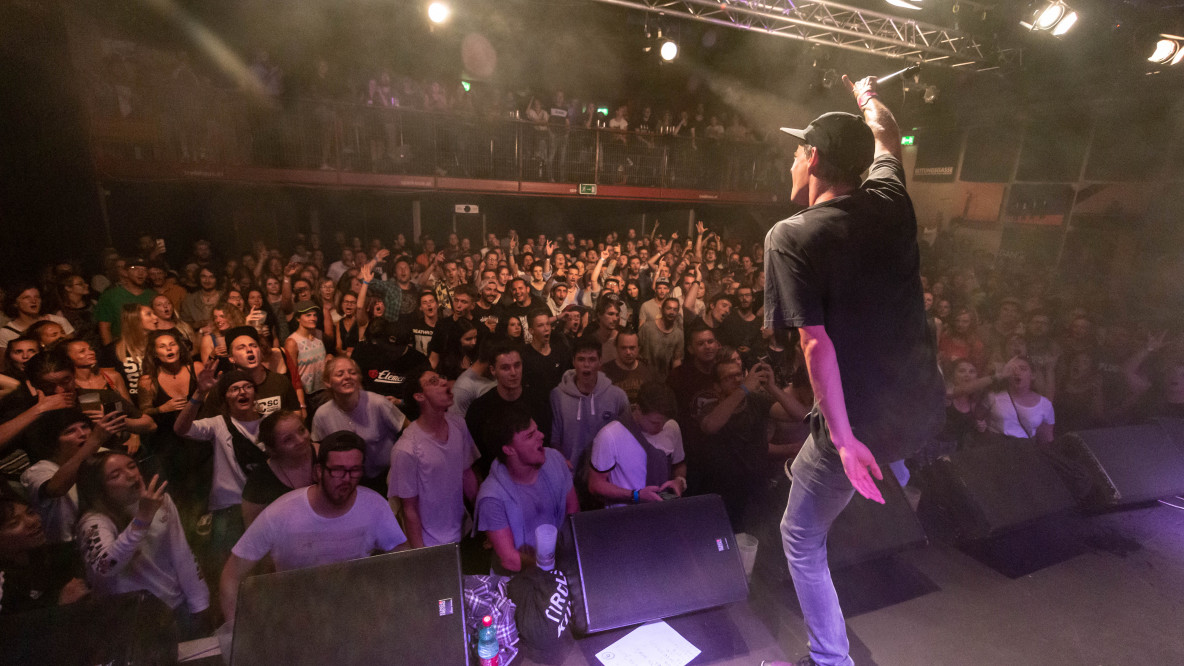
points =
(133, 629)
(651, 561)
(399, 608)
(994, 488)
(1129, 464)
(867, 530)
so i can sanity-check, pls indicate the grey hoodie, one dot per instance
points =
(579, 417)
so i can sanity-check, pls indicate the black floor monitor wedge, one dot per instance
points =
(399, 608)
(652, 561)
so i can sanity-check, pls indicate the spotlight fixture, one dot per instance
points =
(669, 50)
(1055, 17)
(1169, 50)
(439, 12)
(914, 5)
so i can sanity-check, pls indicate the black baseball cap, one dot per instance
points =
(843, 139)
(239, 331)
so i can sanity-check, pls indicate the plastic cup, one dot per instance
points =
(748, 545)
(544, 540)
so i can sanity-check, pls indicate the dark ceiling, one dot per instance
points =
(595, 50)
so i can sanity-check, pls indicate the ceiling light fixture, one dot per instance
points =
(669, 50)
(914, 5)
(1169, 50)
(439, 12)
(1055, 17)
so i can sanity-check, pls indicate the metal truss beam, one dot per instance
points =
(836, 25)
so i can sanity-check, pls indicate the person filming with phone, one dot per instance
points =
(734, 415)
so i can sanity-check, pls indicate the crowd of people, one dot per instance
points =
(322, 116)
(172, 421)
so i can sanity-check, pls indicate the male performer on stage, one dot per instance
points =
(846, 273)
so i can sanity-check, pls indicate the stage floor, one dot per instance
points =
(1116, 597)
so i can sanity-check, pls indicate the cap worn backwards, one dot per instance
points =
(843, 139)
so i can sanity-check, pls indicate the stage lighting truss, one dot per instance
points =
(838, 26)
(1169, 50)
(1056, 18)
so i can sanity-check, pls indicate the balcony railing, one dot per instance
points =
(222, 129)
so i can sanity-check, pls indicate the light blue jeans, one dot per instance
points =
(819, 493)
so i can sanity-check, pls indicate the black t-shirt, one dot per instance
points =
(734, 331)
(420, 332)
(482, 409)
(26, 588)
(263, 487)
(851, 264)
(740, 448)
(385, 367)
(487, 316)
(512, 309)
(544, 372)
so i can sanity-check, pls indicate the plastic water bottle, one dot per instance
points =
(487, 646)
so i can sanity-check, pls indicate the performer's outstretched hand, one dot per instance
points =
(866, 84)
(857, 460)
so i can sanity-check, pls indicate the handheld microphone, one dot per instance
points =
(907, 71)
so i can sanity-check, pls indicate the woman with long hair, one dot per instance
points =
(127, 353)
(23, 307)
(459, 349)
(330, 314)
(261, 316)
(169, 378)
(167, 320)
(223, 317)
(509, 329)
(101, 391)
(290, 457)
(16, 354)
(132, 539)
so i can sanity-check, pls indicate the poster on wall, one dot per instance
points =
(937, 155)
(1038, 205)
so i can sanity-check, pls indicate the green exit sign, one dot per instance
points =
(587, 188)
(907, 140)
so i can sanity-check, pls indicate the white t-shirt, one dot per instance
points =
(467, 388)
(229, 478)
(11, 330)
(1004, 416)
(614, 450)
(336, 270)
(433, 471)
(58, 514)
(298, 537)
(374, 419)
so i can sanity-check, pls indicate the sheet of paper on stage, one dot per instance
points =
(654, 644)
